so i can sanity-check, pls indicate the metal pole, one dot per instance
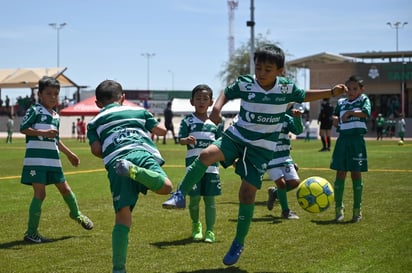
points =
(57, 27)
(397, 26)
(173, 79)
(251, 24)
(148, 56)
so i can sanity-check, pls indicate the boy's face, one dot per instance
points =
(201, 101)
(49, 97)
(354, 90)
(266, 74)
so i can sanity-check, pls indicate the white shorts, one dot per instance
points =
(288, 172)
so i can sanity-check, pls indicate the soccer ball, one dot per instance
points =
(315, 194)
(400, 143)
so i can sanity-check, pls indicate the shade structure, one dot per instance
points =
(29, 77)
(87, 107)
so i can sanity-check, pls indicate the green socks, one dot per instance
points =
(338, 188)
(120, 242)
(210, 211)
(243, 222)
(71, 202)
(34, 216)
(194, 208)
(194, 173)
(357, 193)
(283, 199)
(148, 178)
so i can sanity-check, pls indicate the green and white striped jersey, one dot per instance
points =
(205, 132)
(41, 152)
(282, 152)
(262, 112)
(355, 125)
(122, 129)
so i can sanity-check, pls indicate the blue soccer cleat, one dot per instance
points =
(233, 254)
(177, 200)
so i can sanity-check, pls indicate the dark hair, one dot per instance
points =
(47, 81)
(108, 91)
(201, 87)
(356, 79)
(271, 54)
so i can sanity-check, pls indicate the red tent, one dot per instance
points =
(87, 107)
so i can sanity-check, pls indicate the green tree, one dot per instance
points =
(239, 64)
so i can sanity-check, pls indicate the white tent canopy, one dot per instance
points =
(183, 107)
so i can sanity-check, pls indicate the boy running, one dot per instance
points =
(252, 137)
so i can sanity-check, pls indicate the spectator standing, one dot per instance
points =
(10, 125)
(168, 115)
(325, 120)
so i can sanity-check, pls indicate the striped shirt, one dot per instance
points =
(354, 125)
(282, 151)
(41, 152)
(123, 129)
(260, 119)
(205, 133)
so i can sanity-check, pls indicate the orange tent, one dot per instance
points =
(87, 107)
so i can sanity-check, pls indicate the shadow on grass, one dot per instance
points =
(18, 244)
(217, 270)
(331, 222)
(267, 218)
(181, 242)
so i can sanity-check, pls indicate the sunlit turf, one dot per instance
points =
(160, 239)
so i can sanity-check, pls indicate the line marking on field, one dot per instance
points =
(181, 166)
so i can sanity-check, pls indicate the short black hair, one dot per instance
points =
(201, 87)
(47, 81)
(108, 90)
(356, 79)
(270, 53)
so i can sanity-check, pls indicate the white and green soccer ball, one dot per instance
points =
(315, 194)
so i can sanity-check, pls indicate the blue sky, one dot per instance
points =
(105, 39)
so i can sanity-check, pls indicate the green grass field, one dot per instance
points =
(160, 239)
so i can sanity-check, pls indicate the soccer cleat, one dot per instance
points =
(357, 216)
(122, 167)
(210, 237)
(197, 231)
(339, 215)
(176, 201)
(291, 215)
(84, 221)
(36, 238)
(233, 254)
(272, 197)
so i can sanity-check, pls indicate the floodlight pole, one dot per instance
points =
(148, 56)
(251, 24)
(397, 26)
(173, 79)
(58, 27)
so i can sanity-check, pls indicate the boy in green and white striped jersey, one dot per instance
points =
(197, 131)
(350, 118)
(42, 164)
(253, 135)
(121, 136)
(281, 168)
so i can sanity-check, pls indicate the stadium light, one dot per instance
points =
(397, 26)
(58, 27)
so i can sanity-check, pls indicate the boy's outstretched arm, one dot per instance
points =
(337, 90)
(216, 115)
(159, 130)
